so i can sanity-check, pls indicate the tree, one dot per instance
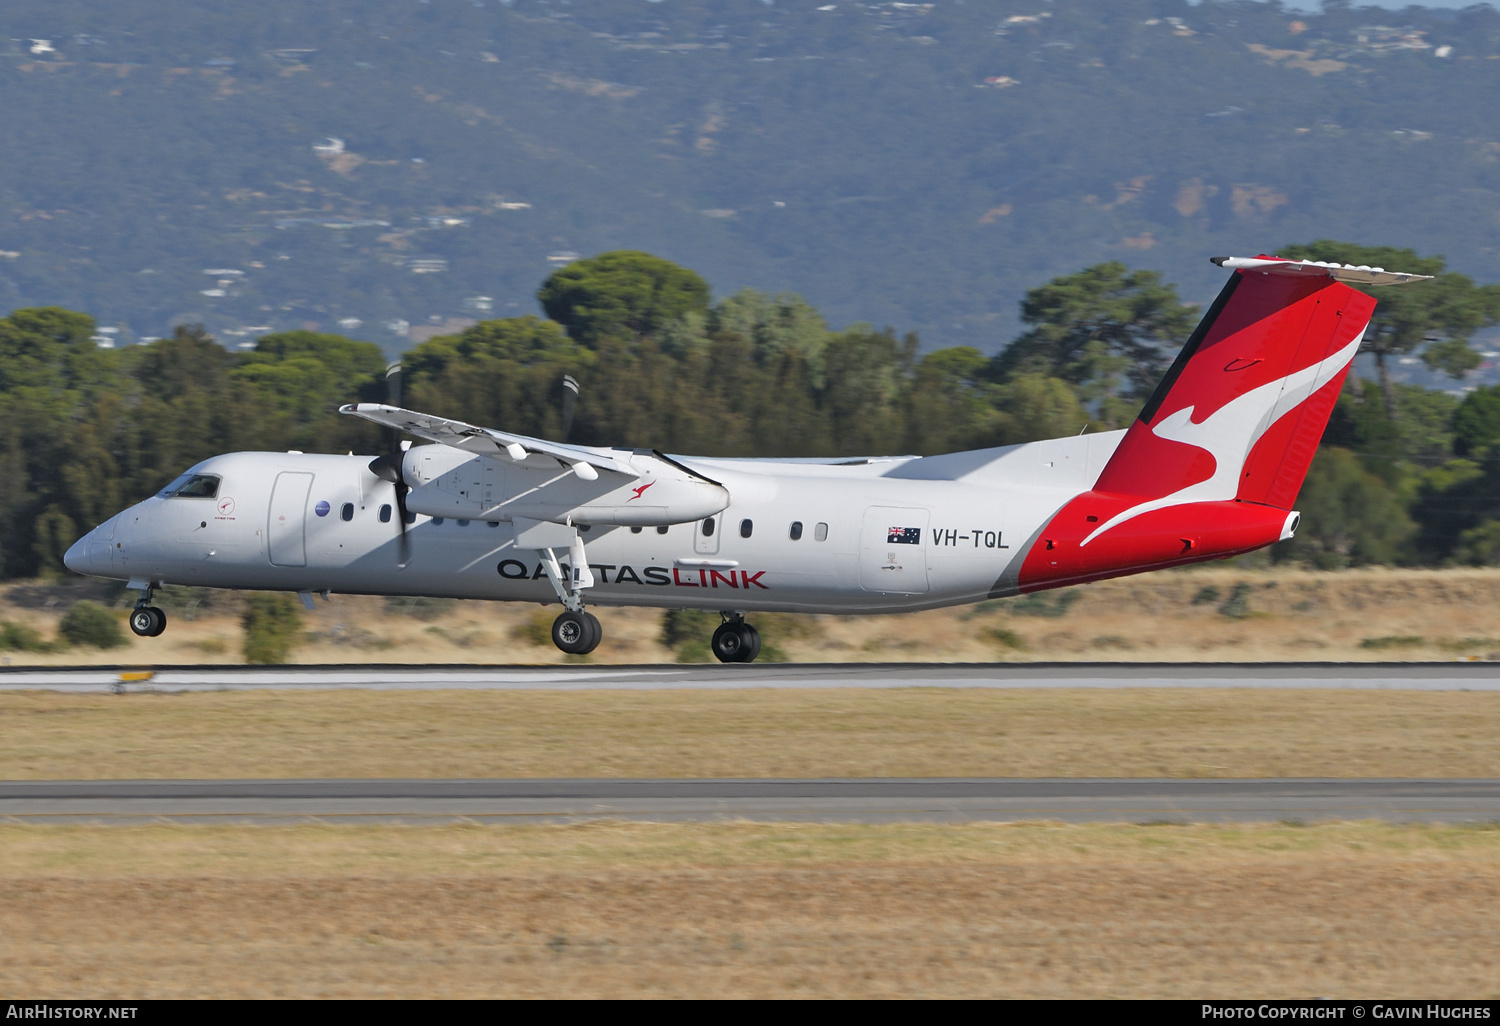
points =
(88, 623)
(503, 373)
(1349, 516)
(1479, 546)
(622, 294)
(301, 378)
(775, 325)
(1033, 406)
(868, 371)
(1106, 330)
(1453, 499)
(1442, 312)
(273, 627)
(948, 405)
(1476, 422)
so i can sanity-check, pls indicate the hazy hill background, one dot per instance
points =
(917, 165)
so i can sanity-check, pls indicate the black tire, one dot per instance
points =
(735, 643)
(147, 621)
(596, 631)
(573, 633)
(752, 645)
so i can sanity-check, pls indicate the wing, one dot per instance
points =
(486, 441)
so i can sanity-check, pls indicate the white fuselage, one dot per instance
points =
(886, 534)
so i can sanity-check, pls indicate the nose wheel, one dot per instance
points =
(577, 632)
(147, 621)
(735, 641)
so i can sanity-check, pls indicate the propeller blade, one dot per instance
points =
(403, 543)
(388, 468)
(393, 398)
(569, 400)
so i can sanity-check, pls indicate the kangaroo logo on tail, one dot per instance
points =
(1213, 464)
(1230, 432)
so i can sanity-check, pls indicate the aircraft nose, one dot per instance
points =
(76, 558)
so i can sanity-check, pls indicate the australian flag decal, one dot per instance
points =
(903, 536)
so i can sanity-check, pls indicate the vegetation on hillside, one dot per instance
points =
(921, 165)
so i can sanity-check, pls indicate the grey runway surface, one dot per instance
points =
(1448, 676)
(855, 800)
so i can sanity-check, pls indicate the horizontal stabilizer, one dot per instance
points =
(1346, 273)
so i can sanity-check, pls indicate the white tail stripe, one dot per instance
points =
(1230, 433)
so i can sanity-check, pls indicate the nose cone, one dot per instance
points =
(76, 558)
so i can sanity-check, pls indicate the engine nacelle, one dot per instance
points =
(448, 482)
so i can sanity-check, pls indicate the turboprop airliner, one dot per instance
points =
(1210, 469)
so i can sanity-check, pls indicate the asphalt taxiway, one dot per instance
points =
(1446, 676)
(783, 800)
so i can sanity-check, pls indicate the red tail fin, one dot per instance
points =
(1215, 460)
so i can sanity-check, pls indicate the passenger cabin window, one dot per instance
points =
(463, 523)
(745, 528)
(438, 521)
(636, 529)
(661, 529)
(385, 513)
(409, 517)
(192, 486)
(796, 530)
(708, 528)
(820, 533)
(346, 512)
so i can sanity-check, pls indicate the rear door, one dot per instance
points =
(286, 530)
(893, 551)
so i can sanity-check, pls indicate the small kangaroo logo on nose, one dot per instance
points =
(639, 490)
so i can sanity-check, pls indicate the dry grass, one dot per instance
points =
(755, 733)
(622, 909)
(1287, 614)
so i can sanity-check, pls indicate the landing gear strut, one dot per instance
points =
(735, 641)
(147, 621)
(576, 631)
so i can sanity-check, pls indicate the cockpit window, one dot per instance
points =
(192, 486)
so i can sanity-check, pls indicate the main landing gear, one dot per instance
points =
(147, 621)
(735, 641)
(577, 632)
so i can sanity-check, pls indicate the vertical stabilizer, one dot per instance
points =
(1214, 462)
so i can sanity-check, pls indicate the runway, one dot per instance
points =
(781, 800)
(1448, 676)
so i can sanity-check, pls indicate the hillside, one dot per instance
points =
(913, 164)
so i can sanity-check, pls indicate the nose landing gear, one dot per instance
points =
(146, 620)
(735, 641)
